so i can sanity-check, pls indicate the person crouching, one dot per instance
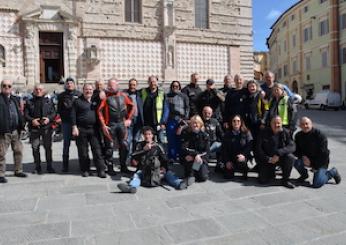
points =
(151, 162)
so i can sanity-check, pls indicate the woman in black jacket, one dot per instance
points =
(195, 151)
(236, 148)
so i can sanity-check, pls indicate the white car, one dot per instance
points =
(324, 100)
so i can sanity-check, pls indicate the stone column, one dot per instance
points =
(31, 53)
(169, 40)
(72, 35)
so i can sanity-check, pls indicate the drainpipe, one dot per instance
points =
(335, 83)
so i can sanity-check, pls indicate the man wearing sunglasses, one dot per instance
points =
(11, 124)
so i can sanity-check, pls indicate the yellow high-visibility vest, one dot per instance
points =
(158, 102)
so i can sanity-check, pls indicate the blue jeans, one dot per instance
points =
(321, 175)
(67, 134)
(173, 147)
(133, 137)
(170, 177)
(215, 147)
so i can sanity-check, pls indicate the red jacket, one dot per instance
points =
(103, 109)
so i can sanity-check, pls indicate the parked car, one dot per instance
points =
(324, 100)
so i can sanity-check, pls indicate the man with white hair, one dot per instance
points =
(40, 113)
(235, 102)
(312, 152)
(11, 123)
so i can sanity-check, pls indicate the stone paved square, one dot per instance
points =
(66, 209)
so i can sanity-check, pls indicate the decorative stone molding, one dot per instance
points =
(35, 23)
(169, 40)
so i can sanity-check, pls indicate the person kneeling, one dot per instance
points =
(236, 148)
(195, 151)
(151, 161)
(312, 152)
(275, 147)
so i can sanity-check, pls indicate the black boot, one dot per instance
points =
(38, 169)
(65, 164)
(124, 169)
(110, 170)
(50, 168)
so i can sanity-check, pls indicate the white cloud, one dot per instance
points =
(273, 14)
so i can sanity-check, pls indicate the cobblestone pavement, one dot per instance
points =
(59, 209)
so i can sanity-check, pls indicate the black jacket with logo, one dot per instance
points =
(65, 103)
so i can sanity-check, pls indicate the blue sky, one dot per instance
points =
(265, 13)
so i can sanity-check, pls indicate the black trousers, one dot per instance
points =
(237, 167)
(201, 175)
(119, 135)
(267, 170)
(85, 138)
(35, 138)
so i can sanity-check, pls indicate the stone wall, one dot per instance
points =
(226, 47)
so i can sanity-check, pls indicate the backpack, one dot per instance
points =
(151, 172)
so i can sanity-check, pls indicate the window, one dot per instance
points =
(284, 24)
(279, 75)
(343, 56)
(201, 14)
(306, 9)
(322, 1)
(324, 56)
(292, 17)
(307, 33)
(307, 62)
(294, 66)
(285, 46)
(2, 53)
(133, 11)
(294, 43)
(279, 49)
(324, 27)
(285, 70)
(343, 21)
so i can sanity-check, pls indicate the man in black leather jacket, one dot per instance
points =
(211, 97)
(214, 129)
(65, 102)
(274, 147)
(40, 113)
(312, 152)
(11, 124)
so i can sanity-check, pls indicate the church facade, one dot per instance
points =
(46, 41)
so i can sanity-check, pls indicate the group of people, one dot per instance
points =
(238, 125)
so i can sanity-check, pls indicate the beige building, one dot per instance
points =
(45, 40)
(307, 46)
(261, 64)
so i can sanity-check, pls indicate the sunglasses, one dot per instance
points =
(7, 86)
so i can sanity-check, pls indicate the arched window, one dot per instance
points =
(202, 14)
(2, 55)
